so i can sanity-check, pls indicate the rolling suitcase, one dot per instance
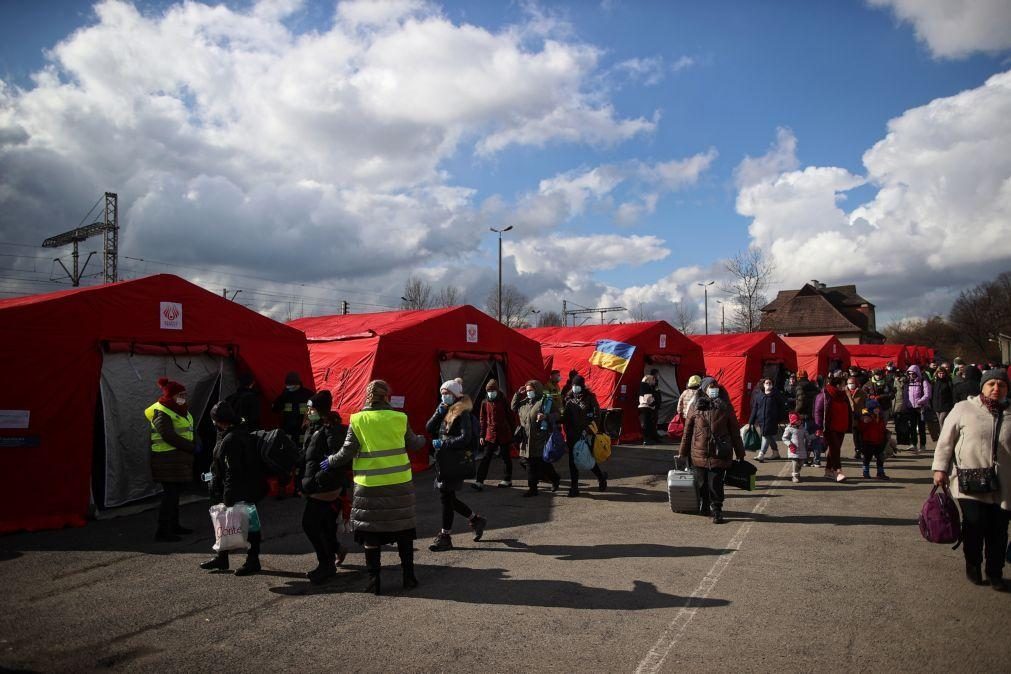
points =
(681, 488)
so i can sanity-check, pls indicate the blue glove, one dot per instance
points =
(437, 444)
(324, 465)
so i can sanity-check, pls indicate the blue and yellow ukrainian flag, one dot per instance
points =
(612, 355)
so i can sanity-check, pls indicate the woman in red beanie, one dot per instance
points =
(172, 450)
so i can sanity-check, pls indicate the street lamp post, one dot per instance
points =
(723, 316)
(499, 232)
(705, 290)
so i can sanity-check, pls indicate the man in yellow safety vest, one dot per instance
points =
(172, 450)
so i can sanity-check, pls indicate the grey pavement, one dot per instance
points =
(803, 577)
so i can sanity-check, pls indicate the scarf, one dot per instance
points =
(170, 403)
(994, 407)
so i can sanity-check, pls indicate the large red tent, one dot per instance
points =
(415, 351)
(97, 352)
(820, 354)
(657, 345)
(738, 361)
(877, 356)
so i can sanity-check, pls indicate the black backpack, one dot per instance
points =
(279, 454)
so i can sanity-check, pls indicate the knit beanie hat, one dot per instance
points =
(454, 386)
(492, 385)
(578, 380)
(321, 401)
(1000, 375)
(222, 411)
(292, 378)
(169, 388)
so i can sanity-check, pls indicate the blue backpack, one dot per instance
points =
(582, 456)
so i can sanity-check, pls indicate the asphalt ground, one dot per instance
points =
(803, 577)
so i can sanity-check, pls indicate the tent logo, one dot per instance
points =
(171, 316)
(472, 333)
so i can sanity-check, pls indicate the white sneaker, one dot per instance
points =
(839, 477)
(795, 478)
(817, 464)
(505, 483)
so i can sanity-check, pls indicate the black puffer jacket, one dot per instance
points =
(806, 392)
(454, 426)
(969, 386)
(942, 397)
(235, 468)
(324, 440)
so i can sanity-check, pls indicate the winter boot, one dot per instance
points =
(407, 564)
(478, 523)
(718, 516)
(252, 563)
(998, 583)
(573, 492)
(867, 472)
(441, 543)
(166, 535)
(602, 481)
(373, 563)
(974, 574)
(217, 563)
(881, 474)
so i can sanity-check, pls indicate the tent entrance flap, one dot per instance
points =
(667, 382)
(475, 374)
(129, 385)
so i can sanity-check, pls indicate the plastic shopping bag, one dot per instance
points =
(231, 527)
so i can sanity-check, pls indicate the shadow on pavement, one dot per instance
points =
(834, 486)
(493, 586)
(609, 551)
(837, 520)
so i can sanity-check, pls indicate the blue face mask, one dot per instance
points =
(576, 388)
(448, 399)
(531, 395)
(713, 392)
(492, 395)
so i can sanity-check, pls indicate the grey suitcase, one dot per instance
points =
(681, 488)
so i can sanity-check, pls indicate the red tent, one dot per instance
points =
(94, 352)
(657, 345)
(819, 355)
(738, 361)
(877, 356)
(415, 351)
(921, 355)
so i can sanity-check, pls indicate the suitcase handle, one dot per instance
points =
(682, 464)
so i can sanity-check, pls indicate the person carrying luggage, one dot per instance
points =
(537, 417)
(579, 410)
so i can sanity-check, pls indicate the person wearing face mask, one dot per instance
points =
(452, 429)
(292, 405)
(172, 450)
(537, 416)
(832, 419)
(942, 397)
(973, 453)
(236, 476)
(496, 435)
(553, 389)
(857, 399)
(916, 394)
(768, 409)
(712, 439)
(687, 397)
(323, 489)
(649, 408)
(579, 411)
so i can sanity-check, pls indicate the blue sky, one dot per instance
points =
(811, 87)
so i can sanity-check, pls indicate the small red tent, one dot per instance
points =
(94, 352)
(657, 345)
(819, 354)
(877, 356)
(738, 361)
(415, 351)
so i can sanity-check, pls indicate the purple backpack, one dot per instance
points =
(939, 521)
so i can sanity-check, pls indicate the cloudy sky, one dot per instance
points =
(310, 152)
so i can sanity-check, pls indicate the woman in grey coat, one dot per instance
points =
(381, 513)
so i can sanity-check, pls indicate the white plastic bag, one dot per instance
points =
(231, 528)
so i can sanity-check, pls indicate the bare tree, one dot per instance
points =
(751, 274)
(417, 294)
(515, 305)
(685, 316)
(550, 319)
(639, 314)
(982, 312)
(449, 296)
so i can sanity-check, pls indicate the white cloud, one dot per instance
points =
(583, 254)
(782, 156)
(650, 71)
(683, 63)
(956, 28)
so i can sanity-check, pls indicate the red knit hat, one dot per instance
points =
(169, 388)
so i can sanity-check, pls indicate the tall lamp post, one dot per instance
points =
(723, 316)
(705, 290)
(499, 232)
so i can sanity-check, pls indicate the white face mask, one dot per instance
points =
(292, 387)
(180, 400)
(531, 395)
(492, 395)
(768, 388)
(576, 388)
(713, 392)
(852, 387)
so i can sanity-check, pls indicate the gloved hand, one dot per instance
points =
(443, 408)
(437, 444)
(324, 465)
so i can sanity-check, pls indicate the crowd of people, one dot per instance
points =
(961, 405)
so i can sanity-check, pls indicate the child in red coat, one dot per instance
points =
(872, 438)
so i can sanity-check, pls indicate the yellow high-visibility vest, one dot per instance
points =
(382, 459)
(183, 427)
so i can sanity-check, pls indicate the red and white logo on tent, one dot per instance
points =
(171, 316)
(472, 333)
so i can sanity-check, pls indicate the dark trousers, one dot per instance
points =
(539, 469)
(405, 547)
(168, 509)
(984, 527)
(909, 425)
(873, 451)
(574, 472)
(833, 443)
(319, 522)
(709, 485)
(490, 449)
(450, 505)
(647, 420)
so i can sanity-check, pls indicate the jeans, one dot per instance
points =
(875, 451)
(647, 419)
(168, 509)
(833, 439)
(574, 472)
(539, 469)
(768, 442)
(709, 484)
(490, 449)
(450, 505)
(984, 525)
(319, 522)
(918, 425)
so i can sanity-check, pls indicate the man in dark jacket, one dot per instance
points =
(246, 401)
(942, 397)
(323, 489)
(969, 386)
(496, 435)
(768, 409)
(292, 405)
(236, 476)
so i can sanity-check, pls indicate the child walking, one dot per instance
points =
(796, 439)
(872, 439)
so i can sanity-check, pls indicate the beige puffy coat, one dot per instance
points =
(967, 439)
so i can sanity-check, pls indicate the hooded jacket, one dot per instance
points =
(711, 419)
(805, 392)
(916, 392)
(236, 471)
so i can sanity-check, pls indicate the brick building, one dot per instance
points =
(817, 309)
